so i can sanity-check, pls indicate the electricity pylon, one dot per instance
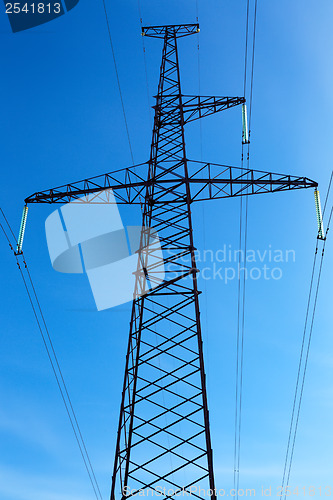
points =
(163, 439)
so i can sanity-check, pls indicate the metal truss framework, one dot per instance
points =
(163, 438)
(208, 181)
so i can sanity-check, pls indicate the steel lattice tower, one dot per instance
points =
(163, 436)
(164, 390)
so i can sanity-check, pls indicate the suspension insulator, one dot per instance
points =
(22, 229)
(245, 125)
(321, 232)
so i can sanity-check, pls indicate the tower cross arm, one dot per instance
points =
(179, 30)
(195, 107)
(128, 184)
(208, 181)
(211, 181)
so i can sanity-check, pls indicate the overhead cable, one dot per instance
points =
(52, 356)
(118, 81)
(304, 355)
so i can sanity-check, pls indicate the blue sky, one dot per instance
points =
(62, 121)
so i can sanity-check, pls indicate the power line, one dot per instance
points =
(301, 376)
(252, 66)
(242, 319)
(239, 357)
(48, 344)
(242, 283)
(306, 364)
(78, 434)
(199, 73)
(118, 80)
(3, 214)
(145, 64)
(328, 192)
(305, 348)
(299, 367)
(246, 44)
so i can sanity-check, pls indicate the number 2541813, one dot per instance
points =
(33, 8)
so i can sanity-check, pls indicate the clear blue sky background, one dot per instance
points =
(61, 120)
